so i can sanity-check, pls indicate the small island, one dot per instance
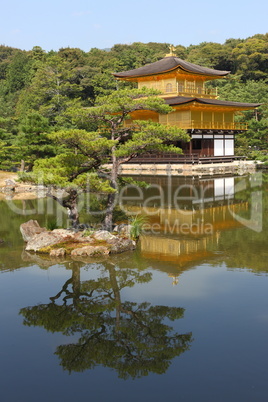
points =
(67, 242)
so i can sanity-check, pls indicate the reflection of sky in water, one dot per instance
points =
(200, 284)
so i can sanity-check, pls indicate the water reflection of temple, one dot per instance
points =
(186, 217)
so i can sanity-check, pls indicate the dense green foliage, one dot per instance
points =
(51, 84)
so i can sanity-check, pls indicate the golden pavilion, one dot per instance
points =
(210, 122)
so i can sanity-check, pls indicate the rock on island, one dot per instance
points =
(62, 242)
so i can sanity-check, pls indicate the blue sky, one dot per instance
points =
(85, 24)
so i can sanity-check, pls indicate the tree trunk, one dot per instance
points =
(117, 296)
(76, 282)
(22, 165)
(108, 220)
(71, 204)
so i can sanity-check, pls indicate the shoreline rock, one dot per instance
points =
(29, 229)
(62, 242)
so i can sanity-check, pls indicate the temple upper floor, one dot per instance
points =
(183, 86)
(180, 87)
(173, 76)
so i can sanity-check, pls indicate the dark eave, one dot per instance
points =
(179, 100)
(169, 64)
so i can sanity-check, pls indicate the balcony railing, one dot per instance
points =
(203, 125)
(188, 90)
(197, 91)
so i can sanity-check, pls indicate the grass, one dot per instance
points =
(52, 224)
(137, 223)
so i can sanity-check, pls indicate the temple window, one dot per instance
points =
(199, 88)
(169, 87)
(190, 86)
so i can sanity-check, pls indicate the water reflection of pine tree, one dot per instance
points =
(127, 336)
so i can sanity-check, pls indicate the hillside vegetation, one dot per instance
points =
(38, 90)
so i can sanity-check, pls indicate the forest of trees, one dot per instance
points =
(38, 89)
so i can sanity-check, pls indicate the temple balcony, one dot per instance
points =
(188, 91)
(203, 125)
(199, 92)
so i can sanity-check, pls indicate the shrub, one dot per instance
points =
(137, 223)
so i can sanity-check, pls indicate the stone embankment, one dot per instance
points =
(180, 169)
(64, 242)
(11, 188)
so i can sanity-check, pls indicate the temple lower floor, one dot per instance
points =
(203, 147)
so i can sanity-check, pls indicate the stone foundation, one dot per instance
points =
(163, 169)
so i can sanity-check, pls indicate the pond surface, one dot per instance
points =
(184, 317)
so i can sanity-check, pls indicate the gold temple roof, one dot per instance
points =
(179, 100)
(168, 64)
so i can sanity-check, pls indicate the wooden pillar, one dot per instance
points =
(191, 147)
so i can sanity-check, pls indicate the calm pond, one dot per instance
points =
(184, 317)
